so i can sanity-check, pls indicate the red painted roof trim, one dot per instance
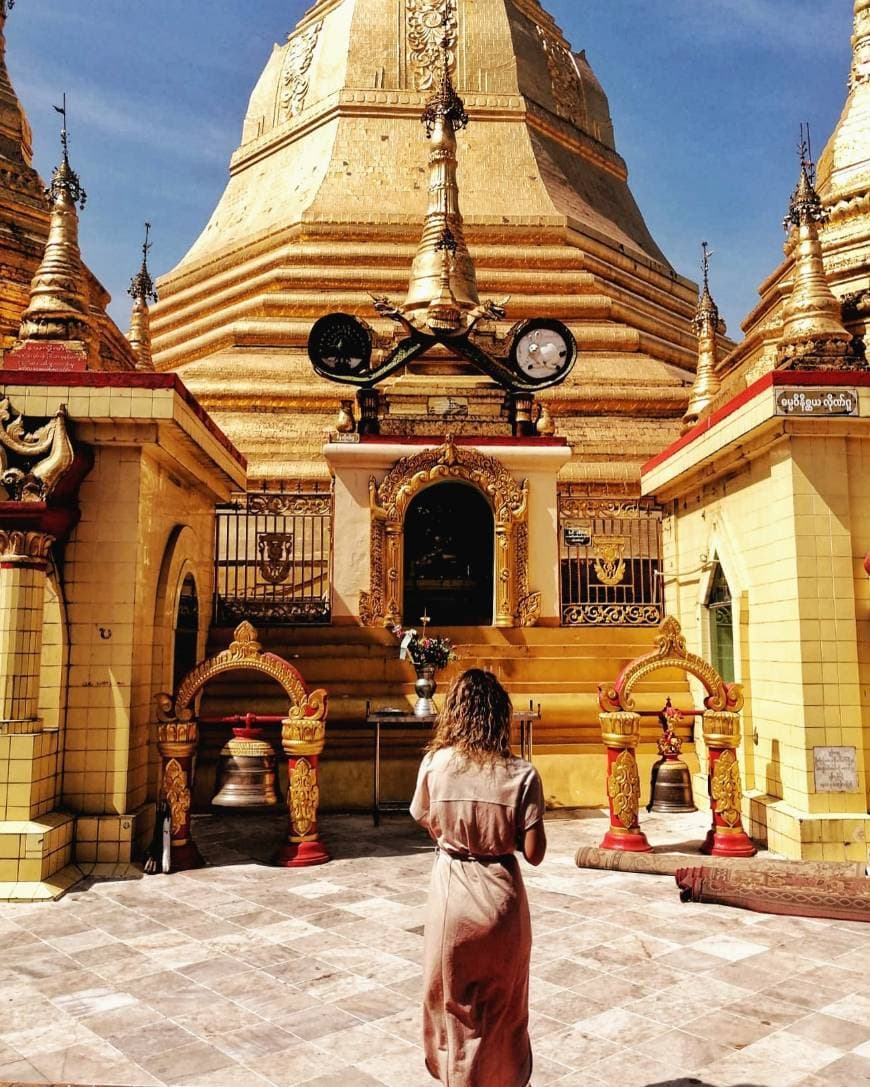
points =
(773, 379)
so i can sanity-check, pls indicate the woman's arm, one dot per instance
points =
(535, 843)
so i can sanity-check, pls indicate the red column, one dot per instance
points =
(176, 742)
(726, 837)
(302, 740)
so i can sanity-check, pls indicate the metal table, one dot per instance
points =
(387, 719)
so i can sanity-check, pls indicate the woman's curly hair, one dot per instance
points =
(476, 718)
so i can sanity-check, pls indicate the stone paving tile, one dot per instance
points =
(241, 975)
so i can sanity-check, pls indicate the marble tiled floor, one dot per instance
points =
(242, 975)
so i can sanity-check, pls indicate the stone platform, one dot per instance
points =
(241, 975)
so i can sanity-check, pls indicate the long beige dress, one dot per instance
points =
(478, 935)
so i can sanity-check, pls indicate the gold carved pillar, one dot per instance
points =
(504, 576)
(621, 734)
(394, 539)
(23, 561)
(176, 742)
(303, 738)
(726, 837)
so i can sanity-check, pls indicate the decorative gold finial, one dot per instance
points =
(142, 291)
(443, 281)
(707, 325)
(58, 308)
(813, 335)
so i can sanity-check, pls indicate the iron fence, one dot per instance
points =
(610, 553)
(273, 559)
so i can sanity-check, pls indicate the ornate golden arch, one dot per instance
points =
(671, 652)
(246, 653)
(515, 605)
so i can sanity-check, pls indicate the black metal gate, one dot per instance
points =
(610, 561)
(273, 559)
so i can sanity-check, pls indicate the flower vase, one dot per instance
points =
(425, 688)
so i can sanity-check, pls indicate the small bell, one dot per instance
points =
(671, 786)
(247, 772)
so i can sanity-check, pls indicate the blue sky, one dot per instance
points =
(706, 96)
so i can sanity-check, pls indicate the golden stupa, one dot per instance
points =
(325, 206)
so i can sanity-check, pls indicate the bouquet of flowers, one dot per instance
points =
(424, 649)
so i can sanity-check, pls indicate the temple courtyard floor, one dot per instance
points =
(245, 975)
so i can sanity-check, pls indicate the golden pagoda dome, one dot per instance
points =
(326, 205)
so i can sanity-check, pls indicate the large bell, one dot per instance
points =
(671, 786)
(247, 772)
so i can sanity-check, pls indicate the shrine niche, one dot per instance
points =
(515, 605)
(620, 731)
(303, 734)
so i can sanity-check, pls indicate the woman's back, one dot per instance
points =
(478, 808)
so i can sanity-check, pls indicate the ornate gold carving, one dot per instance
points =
(177, 732)
(276, 555)
(177, 795)
(632, 615)
(725, 788)
(592, 508)
(609, 561)
(25, 547)
(516, 603)
(303, 797)
(303, 736)
(721, 728)
(623, 788)
(284, 505)
(565, 79)
(42, 457)
(426, 33)
(620, 729)
(294, 77)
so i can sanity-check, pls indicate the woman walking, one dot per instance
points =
(479, 804)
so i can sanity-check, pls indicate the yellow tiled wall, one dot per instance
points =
(790, 528)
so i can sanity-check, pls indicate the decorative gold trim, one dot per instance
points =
(42, 457)
(177, 795)
(609, 556)
(516, 604)
(24, 547)
(623, 788)
(725, 788)
(303, 798)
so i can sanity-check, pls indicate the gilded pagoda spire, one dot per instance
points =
(707, 325)
(813, 334)
(142, 291)
(58, 308)
(443, 281)
(15, 135)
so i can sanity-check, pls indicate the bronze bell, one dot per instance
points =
(247, 772)
(671, 786)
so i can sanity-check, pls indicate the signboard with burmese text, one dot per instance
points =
(813, 402)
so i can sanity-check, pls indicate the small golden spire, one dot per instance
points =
(142, 291)
(813, 335)
(443, 280)
(58, 308)
(707, 325)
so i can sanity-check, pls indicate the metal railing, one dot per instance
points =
(610, 556)
(273, 559)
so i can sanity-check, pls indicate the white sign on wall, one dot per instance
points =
(836, 769)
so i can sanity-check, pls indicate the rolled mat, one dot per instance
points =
(667, 864)
(842, 898)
